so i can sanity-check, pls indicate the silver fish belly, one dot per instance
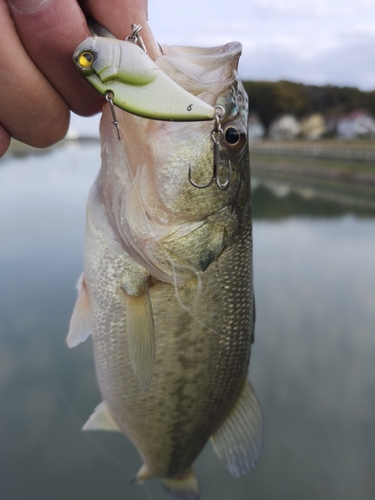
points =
(167, 285)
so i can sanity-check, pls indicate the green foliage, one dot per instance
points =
(371, 102)
(272, 99)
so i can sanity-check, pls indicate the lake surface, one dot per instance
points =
(313, 361)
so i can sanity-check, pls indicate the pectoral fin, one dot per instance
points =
(141, 336)
(80, 323)
(238, 441)
(101, 420)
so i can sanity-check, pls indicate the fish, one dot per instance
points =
(167, 286)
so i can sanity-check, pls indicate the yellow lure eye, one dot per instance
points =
(85, 60)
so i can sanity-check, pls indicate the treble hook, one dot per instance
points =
(215, 136)
(109, 96)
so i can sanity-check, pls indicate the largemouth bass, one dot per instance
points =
(167, 285)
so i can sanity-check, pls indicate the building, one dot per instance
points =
(313, 127)
(256, 129)
(356, 124)
(284, 128)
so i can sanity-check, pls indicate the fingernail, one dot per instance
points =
(28, 6)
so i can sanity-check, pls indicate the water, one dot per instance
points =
(312, 362)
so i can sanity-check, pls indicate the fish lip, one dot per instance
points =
(228, 50)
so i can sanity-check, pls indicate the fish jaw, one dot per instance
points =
(138, 85)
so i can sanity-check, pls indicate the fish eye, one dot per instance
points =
(85, 60)
(234, 137)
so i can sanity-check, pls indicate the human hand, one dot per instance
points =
(38, 79)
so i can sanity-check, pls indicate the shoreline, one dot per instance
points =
(333, 160)
(341, 174)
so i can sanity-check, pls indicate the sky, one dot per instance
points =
(316, 42)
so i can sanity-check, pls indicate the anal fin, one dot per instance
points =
(80, 323)
(141, 335)
(183, 487)
(101, 420)
(238, 441)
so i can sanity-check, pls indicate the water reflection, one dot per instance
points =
(277, 197)
(312, 363)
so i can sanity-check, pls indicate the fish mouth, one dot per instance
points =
(220, 53)
(202, 71)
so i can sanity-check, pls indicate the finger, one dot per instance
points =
(4, 140)
(30, 109)
(51, 30)
(118, 16)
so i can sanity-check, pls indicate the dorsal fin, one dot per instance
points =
(80, 323)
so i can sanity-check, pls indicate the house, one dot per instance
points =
(284, 128)
(313, 127)
(256, 129)
(356, 124)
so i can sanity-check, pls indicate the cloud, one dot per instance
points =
(345, 65)
(325, 41)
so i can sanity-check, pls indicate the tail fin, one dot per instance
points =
(183, 487)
